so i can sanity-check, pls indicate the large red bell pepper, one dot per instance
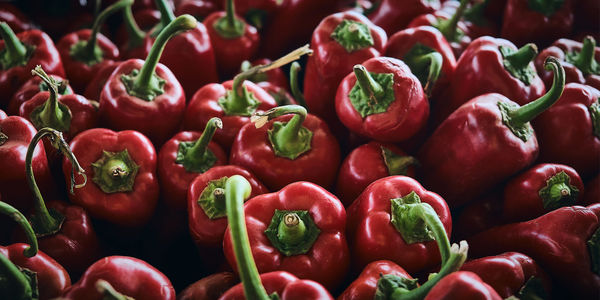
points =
(580, 61)
(569, 132)
(382, 226)
(382, 100)
(272, 285)
(393, 16)
(145, 95)
(233, 39)
(462, 285)
(542, 188)
(368, 163)
(124, 188)
(182, 158)
(33, 86)
(489, 130)
(206, 203)
(491, 65)
(209, 287)
(341, 41)
(84, 52)
(540, 22)
(20, 54)
(115, 277)
(511, 274)
(564, 242)
(299, 229)
(287, 149)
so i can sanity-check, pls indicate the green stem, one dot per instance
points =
(229, 26)
(166, 14)
(219, 195)
(16, 51)
(585, 59)
(108, 292)
(15, 284)
(92, 43)
(433, 62)
(368, 85)
(136, 35)
(52, 114)
(17, 216)
(475, 14)
(291, 230)
(449, 28)
(526, 113)
(289, 132)
(237, 189)
(196, 152)
(298, 96)
(522, 57)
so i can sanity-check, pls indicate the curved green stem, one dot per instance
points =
(237, 189)
(521, 58)
(52, 113)
(585, 59)
(202, 143)
(136, 35)
(166, 14)
(17, 216)
(43, 221)
(229, 26)
(16, 52)
(368, 85)
(432, 62)
(449, 28)
(195, 156)
(15, 284)
(298, 96)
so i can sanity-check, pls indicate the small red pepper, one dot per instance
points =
(542, 188)
(393, 16)
(206, 203)
(569, 132)
(288, 149)
(299, 229)
(27, 272)
(145, 95)
(272, 285)
(462, 285)
(33, 86)
(511, 274)
(20, 54)
(382, 100)
(564, 242)
(580, 61)
(488, 130)
(210, 287)
(491, 65)
(84, 52)
(182, 158)
(117, 277)
(125, 188)
(232, 38)
(368, 163)
(383, 225)
(340, 41)
(540, 22)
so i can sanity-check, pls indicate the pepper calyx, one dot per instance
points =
(15, 53)
(532, 289)
(425, 63)
(40, 228)
(585, 59)
(156, 86)
(289, 150)
(373, 93)
(397, 164)
(558, 192)
(80, 53)
(413, 229)
(389, 283)
(115, 172)
(352, 35)
(234, 104)
(517, 62)
(522, 131)
(212, 199)
(292, 232)
(52, 113)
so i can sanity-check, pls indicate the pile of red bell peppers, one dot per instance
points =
(299, 149)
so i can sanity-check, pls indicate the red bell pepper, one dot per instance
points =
(542, 188)
(365, 286)
(233, 101)
(489, 130)
(33, 86)
(540, 22)
(232, 38)
(368, 163)
(206, 204)
(415, 47)
(95, 86)
(27, 272)
(450, 25)
(115, 277)
(592, 191)
(69, 114)
(462, 285)
(209, 287)
(382, 100)
(272, 285)
(381, 226)
(289, 149)
(341, 41)
(511, 274)
(579, 59)
(564, 242)
(85, 51)
(200, 9)
(491, 65)
(393, 16)
(16, 134)
(569, 132)
(20, 54)
(145, 95)
(14, 18)
(182, 158)
(125, 189)
(194, 67)
(299, 229)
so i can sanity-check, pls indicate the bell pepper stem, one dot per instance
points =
(292, 229)
(3, 138)
(16, 51)
(435, 61)
(51, 114)
(237, 189)
(196, 152)
(219, 195)
(17, 216)
(15, 282)
(166, 14)
(229, 26)
(109, 293)
(527, 112)
(44, 222)
(368, 85)
(298, 96)
(585, 59)
(449, 28)
(136, 35)
(289, 132)
(92, 43)
(522, 57)
(144, 78)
